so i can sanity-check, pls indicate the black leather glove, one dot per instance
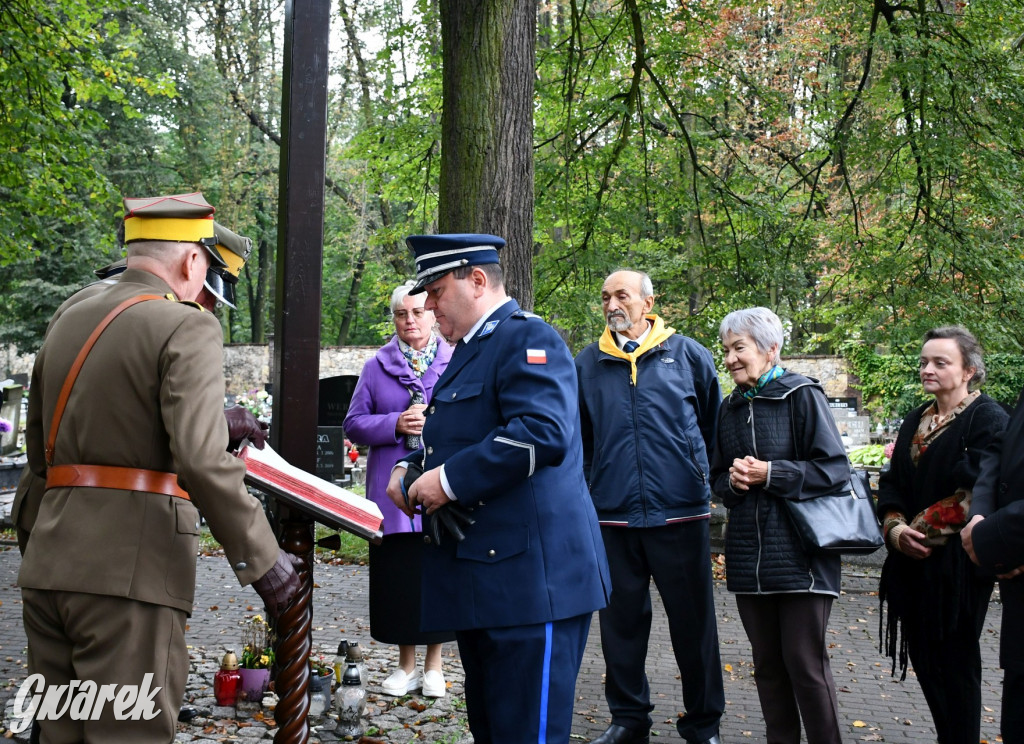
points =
(412, 472)
(450, 518)
(278, 586)
(243, 425)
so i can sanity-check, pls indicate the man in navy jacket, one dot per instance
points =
(502, 440)
(649, 402)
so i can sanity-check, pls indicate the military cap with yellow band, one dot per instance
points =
(233, 251)
(183, 218)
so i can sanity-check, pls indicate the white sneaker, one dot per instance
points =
(400, 683)
(433, 684)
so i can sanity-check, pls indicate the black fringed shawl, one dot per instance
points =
(925, 597)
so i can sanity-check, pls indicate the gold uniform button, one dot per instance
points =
(430, 450)
(431, 409)
(241, 566)
(491, 553)
(426, 539)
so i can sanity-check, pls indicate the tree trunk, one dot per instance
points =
(353, 296)
(258, 294)
(487, 129)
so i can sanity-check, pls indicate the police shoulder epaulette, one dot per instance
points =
(523, 314)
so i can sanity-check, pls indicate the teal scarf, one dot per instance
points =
(773, 374)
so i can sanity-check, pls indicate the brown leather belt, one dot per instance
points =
(109, 476)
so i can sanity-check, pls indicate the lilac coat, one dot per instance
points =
(382, 393)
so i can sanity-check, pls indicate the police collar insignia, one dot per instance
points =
(488, 328)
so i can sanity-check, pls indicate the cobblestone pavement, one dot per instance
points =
(872, 705)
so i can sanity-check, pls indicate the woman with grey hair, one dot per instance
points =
(936, 600)
(777, 440)
(387, 413)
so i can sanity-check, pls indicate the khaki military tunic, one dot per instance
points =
(150, 395)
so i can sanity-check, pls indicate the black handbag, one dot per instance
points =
(837, 523)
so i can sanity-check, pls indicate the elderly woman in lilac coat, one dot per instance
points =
(387, 413)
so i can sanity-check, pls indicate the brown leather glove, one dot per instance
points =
(278, 586)
(243, 425)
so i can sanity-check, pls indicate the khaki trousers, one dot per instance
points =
(111, 641)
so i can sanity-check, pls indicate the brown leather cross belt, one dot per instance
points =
(109, 476)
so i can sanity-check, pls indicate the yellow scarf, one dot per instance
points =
(657, 335)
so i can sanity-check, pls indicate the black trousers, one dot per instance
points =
(950, 676)
(678, 558)
(1013, 707)
(791, 666)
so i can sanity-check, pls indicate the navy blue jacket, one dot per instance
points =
(645, 446)
(789, 425)
(504, 422)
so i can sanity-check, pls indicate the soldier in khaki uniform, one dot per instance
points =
(108, 574)
(218, 289)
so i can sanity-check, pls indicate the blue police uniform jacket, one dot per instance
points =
(504, 421)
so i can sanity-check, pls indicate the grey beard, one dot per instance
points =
(619, 323)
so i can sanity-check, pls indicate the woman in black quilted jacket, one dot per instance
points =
(777, 440)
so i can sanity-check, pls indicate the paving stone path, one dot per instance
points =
(873, 706)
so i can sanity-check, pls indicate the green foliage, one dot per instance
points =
(870, 455)
(853, 166)
(891, 386)
(65, 67)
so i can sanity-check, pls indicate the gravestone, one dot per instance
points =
(855, 430)
(331, 457)
(335, 395)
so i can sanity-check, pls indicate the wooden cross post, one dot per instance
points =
(297, 325)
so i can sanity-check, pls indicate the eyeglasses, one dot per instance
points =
(417, 313)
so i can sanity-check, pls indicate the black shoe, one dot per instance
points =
(616, 734)
(186, 714)
(716, 739)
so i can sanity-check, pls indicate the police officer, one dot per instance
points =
(501, 442)
(130, 442)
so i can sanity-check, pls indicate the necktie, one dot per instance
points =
(630, 346)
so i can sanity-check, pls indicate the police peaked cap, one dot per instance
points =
(182, 218)
(437, 255)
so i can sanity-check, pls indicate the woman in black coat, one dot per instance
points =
(936, 600)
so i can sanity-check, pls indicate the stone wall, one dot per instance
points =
(831, 371)
(247, 367)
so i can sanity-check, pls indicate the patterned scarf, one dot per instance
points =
(932, 425)
(773, 374)
(419, 361)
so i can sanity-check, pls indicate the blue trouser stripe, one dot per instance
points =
(545, 686)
